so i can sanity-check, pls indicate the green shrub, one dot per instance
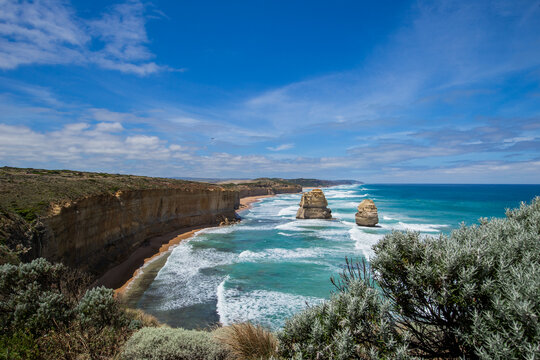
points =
(46, 312)
(173, 344)
(98, 308)
(36, 296)
(356, 323)
(474, 294)
(18, 346)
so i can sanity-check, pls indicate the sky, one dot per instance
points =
(378, 91)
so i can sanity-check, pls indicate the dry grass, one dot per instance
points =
(248, 341)
(146, 320)
(74, 342)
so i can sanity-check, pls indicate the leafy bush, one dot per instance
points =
(356, 323)
(473, 294)
(173, 344)
(36, 296)
(47, 313)
(18, 346)
(248, 341)
(99, 309)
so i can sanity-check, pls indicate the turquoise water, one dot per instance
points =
(271, 265)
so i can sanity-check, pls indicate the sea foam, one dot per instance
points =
(268, 308)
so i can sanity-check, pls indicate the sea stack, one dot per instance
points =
(367, 214)
(314, 206)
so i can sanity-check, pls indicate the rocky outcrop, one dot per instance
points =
(314, 206)
(97, 232)
(367, 214)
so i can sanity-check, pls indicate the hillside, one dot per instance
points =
(262, 186)
(321, 183)
(32, 192)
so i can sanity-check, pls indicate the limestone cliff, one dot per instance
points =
(93, 221)
(314, 206)
(367, 213)
(100, 231)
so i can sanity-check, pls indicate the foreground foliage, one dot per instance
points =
(474, 294)
(47, 313)
(174, 344)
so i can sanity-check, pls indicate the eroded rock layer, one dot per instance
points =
(314, 206)
(100, 231)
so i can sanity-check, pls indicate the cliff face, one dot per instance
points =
(98, 232)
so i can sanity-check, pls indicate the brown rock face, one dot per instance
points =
(314, 206)
(98, 232)
(367, 214)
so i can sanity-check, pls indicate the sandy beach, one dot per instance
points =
(144, 255)
(246, 203)
(121, 275)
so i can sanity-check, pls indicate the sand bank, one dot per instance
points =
(158, 247)
(245, 203)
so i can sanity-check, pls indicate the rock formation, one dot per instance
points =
(314, 206)
(367, 214)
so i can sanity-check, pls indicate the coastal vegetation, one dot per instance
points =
(49, 311)
(174, 344)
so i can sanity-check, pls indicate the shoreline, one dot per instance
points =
(150, 255)
(247, 202)
(159, 248)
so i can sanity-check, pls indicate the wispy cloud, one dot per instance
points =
(50, 32)
(448, 52)
(281, 147)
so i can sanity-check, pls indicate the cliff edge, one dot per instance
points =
(94, 221)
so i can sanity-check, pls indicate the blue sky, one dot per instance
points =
(442, 91)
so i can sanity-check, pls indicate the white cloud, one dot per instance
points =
(281, 147)
(49, 32)
(143, 141)
(109, 127)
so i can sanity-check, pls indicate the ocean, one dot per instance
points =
(270, 266)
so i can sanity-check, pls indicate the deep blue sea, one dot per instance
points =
(271, 265)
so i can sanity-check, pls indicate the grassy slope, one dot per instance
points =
(260, 182)
(321, 183)
(29, 192)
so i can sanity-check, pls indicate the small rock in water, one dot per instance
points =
(367, 214)
(314, 206)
